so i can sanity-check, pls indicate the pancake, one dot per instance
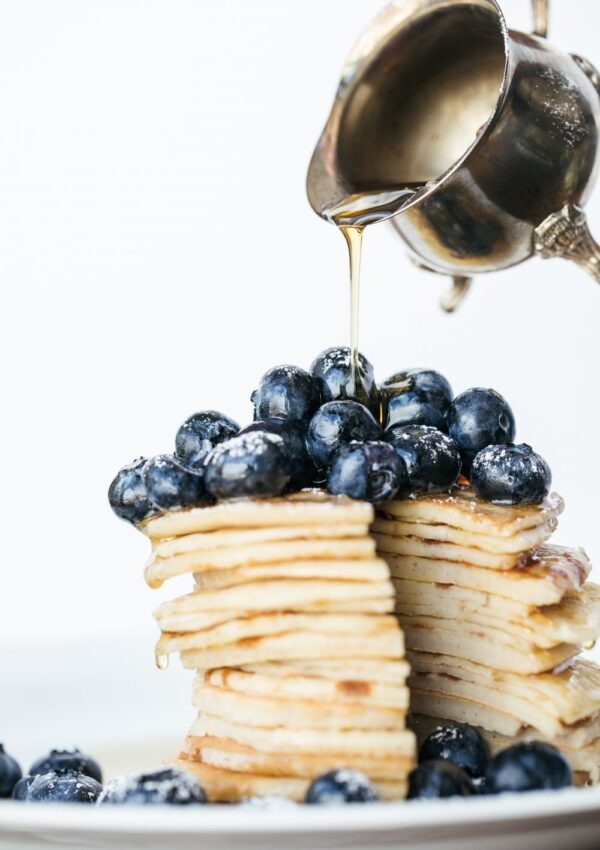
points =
(375, 569)
(282, 595)
(363, 669)
(176, 620)
(569, 695)
(295, 644)
(435, 549)
(158, 570)
(262, 625)
(227, 786)
(294, 685)
(228, 537)
(293, 714)
(482, 645)
(462, 509)
(550, 573)
(575, 620)
(229, 755)
(370, 743)
(303, 509)
(522, 541)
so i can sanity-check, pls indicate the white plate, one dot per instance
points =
(541, 821)
(110, 701)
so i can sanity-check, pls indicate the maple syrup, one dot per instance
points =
(351, 216)
(161, 661)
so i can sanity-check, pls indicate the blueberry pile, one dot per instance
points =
(454, 761)
(337, 430)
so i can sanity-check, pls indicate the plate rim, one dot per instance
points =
(232, 820)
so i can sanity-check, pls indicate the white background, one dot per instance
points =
(157, 254)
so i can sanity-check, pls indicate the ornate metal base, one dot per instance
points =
(566, 234)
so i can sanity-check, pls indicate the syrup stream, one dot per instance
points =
(354, 236)
(351, 216)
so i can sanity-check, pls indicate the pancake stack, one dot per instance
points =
(290, 627)
(494, 619)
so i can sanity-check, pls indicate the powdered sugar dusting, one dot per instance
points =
(162, 786)
(358, 784)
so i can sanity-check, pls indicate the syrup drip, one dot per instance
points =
(161, 661)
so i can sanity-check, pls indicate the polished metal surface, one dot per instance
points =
(494, 130)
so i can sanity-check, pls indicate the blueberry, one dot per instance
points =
(478, 418)
(167, 786)
(510, 475)
(427, 380)
(254, 464)
(416, 397)
(127, 494)
(67, 760)
(434, 779)
(200, 433)
(333, 368)
(171, 485)
(21, 789)
(372, 471)
(293, 435)
(63, 786)
(461, 745)
(10, 773)
(335, 424)
(527, 767)
(338, 787)
(286, 392)
(431, 458)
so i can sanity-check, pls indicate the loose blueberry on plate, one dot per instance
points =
(372, 471)
(10, 773)
(63, 786)
(286, 392)
(167, 786)
(338, 787)
(533, 766)
(127, 493)
(21, 789)
(431, 458)
(478, 418)
(416, 397)
(461, 745)
(510, 475)
(171, 485)
(254, 464)
(435, 779)
(67, 760)
(333, 368)
(335, 424)
(293, 435)
(200, 433)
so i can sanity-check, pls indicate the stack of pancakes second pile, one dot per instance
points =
(494, 619)
(299, 658)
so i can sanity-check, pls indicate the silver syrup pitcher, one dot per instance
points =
(479, 142)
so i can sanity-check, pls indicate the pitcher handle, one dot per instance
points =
(566, 234)
(540, 17)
